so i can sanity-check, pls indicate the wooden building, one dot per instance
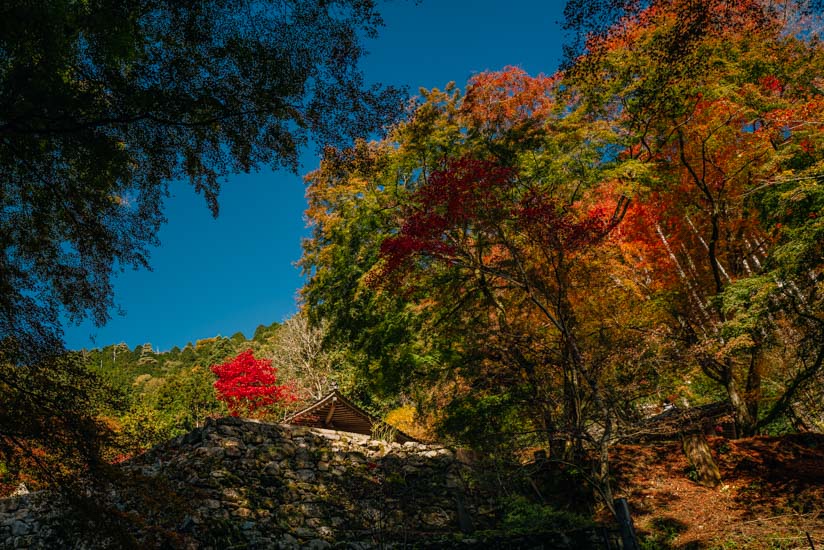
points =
(335, 412)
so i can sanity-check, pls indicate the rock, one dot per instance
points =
(9, 505)
(267, 486)
(305, 533)
(287, 448)
(193, 437)
(234, 452)
(230, 494)
(312, 510)
(306, 475)
(210, 452)
(303, 459)
(230, 421)
(436, 518)
(20, 528)
(187, 525)
(230, 442)
(287, 541)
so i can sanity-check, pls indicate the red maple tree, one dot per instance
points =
(248, 386)
(468, 198)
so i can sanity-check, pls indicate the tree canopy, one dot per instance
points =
(104, 103)
(539, 257)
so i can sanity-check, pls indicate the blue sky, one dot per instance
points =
(234, 273)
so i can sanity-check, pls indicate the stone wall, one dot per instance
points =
(263, 486)
(244, 484)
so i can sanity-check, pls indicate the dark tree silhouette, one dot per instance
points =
(103, 103)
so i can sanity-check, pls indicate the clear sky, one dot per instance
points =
(220, 276)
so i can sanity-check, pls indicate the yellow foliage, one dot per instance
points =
(404, 419)
(141, 379)
(205, 341)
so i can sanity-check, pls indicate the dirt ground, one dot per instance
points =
(771, 496)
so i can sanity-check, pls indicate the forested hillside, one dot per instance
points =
(169, 392)
(122, 365)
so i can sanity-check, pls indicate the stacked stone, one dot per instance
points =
(18, 523)
(268, 486)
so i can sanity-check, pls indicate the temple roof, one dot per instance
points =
(335, 412)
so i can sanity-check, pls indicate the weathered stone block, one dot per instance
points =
(306, 475)
(20, 528)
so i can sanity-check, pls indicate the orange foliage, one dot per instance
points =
(499, 100)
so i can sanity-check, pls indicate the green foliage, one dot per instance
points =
(377, 333)
(189, 398)
(662, 535)
(264, 333)
(522, 516)
(170, 393)
(144, 426)
(122, 366)
(384, 432)
(494, 423)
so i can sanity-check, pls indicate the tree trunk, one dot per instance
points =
(744, 421)
(698, 452)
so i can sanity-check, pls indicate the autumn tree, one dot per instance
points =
(375, 334)
(541, 255)
(248, 386)
(718, 100)
(487, 225)
(53, 434)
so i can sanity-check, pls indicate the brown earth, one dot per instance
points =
(771, 496)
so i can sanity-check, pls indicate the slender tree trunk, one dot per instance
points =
(752, 396)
